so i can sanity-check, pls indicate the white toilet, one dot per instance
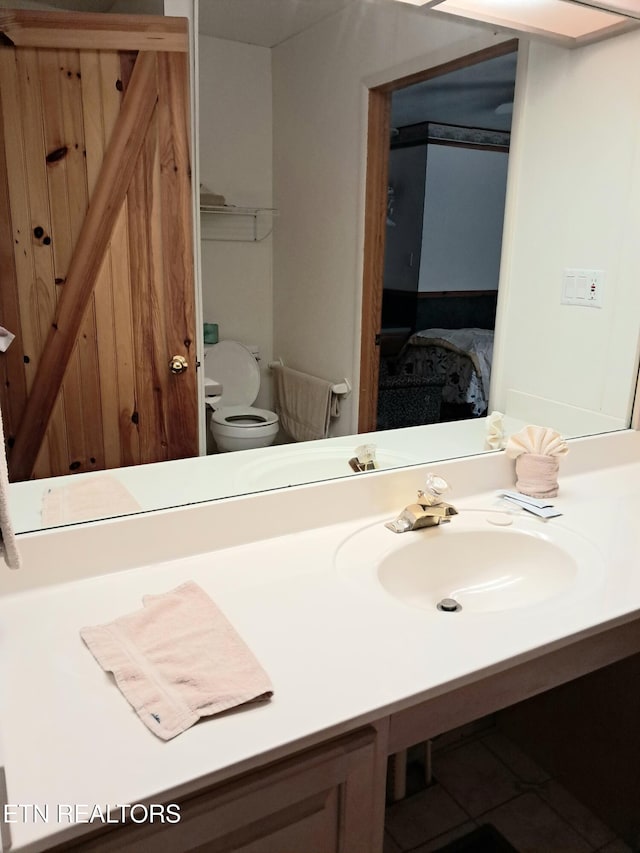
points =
(235, 423)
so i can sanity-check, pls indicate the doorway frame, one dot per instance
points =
(375, 217)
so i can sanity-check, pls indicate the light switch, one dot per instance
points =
(582, 287)
(570, 286)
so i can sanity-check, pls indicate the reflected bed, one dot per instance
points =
(461, 358)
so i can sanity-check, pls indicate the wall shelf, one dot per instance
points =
(231, 223)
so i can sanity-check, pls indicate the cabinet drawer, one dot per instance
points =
(317, 801)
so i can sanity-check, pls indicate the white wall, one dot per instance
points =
(320, 124)
(236, 161)
(403, 239)
(463, 218)
(573, 201)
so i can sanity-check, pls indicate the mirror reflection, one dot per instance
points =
(447, 182)
(283, 120)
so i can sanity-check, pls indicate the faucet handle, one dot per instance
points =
(435, 487)
(366, 454)
(364, 459)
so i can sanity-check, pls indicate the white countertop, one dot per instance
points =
(337, 656)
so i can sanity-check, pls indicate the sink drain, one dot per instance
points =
(449, 605)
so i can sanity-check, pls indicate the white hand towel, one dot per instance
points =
(8, 544)
(178, 659)
(305, 404)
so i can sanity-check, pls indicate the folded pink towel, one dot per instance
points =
(178, 659)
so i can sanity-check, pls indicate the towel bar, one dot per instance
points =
(342, 389)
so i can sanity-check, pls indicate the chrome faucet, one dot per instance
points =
(364, 459)
(429, 511)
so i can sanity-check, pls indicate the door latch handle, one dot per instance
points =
(178, 364)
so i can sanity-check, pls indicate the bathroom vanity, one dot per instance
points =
(358, 674)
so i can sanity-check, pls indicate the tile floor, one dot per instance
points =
(485, 778)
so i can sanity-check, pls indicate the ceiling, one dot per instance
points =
(263, 22)
(467, 97)
(260, 22)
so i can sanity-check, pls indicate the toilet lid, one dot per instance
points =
(236, 369)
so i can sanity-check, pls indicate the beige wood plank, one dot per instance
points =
(114, 83)
(102, 92)
(92, 115)
(40, 226)
(57, 150)
(98, 121)
(374, 242)
(70, 72)
(129, 434)
(145, 253)
(40, 289)
(89, 399)
(22, 241)
(177, 244)
(18, 187)
(127, 61)
(123, 306)
(13, 387)
(106, 201)
(44, 466)
(85, 30)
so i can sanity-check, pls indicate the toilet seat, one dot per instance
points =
(243, 417)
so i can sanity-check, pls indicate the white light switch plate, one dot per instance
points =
(583, 287)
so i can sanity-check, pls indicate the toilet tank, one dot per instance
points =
(212, 388)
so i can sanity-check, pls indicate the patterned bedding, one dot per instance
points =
(461, 357)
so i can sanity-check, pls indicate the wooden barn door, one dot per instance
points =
(96, 259)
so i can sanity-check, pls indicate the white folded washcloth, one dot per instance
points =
(494, 431)
(542, 441)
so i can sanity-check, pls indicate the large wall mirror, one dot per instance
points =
(283, 120)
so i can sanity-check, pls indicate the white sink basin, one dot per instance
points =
(483, 567)
(291, 465)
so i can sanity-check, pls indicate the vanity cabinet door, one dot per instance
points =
(317, 801)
